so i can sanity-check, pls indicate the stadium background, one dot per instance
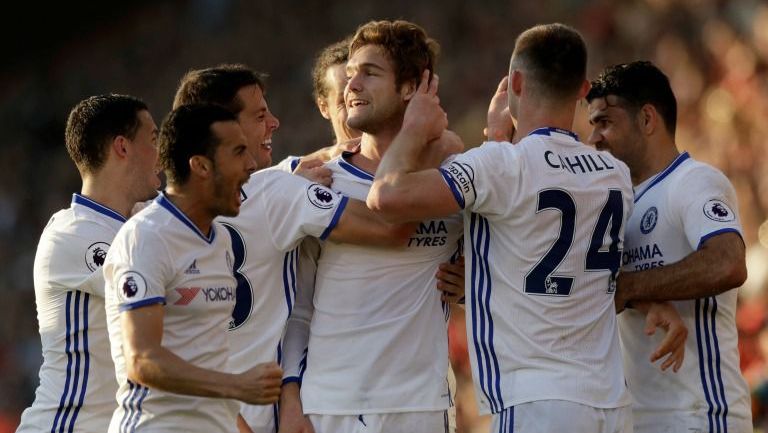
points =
(715, 52)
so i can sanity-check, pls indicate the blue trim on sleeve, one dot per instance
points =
(100, 208)
(718, 232)
(336, 216)
(295, 163)
(292, 379)
(452, 184)
(659, 177)
(143, 303)
(168, 205)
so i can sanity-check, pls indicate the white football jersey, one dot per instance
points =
(77, 380)
(278, 210)
(159, 256)
(378, 336)
(676, 211)
(544, 229)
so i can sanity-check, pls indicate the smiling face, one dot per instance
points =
(333, 106)
(233, 165)
(144, 160)
(374, 103)
(258, 124)
(615, 129)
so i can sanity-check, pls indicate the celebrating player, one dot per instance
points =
(170, 289)
(111, 139)
(684, 237)
(544, 221)
(364, 295)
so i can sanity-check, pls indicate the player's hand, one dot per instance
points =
(292, 418)
(314, 170)
(450, 281)
(664, 315)
(424, 113)
(449, 143)
(500, 123)
(260, 384)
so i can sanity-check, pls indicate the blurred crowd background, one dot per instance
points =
(714, 51)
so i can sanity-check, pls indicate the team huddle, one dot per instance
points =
(314, 295)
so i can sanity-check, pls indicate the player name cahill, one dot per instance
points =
(584, 163)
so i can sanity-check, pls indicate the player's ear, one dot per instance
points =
(648, 119)
(516, 82)
(408, 89)
(120, 146)
(323, 107)
(201, 166)
(585, 86)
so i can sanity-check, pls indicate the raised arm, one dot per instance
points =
(717, 266)
(400, 191)
(152, 365)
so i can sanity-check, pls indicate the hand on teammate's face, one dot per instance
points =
(424, 112)
(500, 124)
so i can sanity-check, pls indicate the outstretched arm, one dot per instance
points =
(719, 265)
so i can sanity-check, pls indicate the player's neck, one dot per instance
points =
(534, 117)
(106, 193)
(188, 200)
(658, 158)
(372, 148)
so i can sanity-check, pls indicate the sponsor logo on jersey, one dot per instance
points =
(210, 294)
(717, 210)
(95, 255)
(131, 285)
(648, 222)
(187, 294)
(192, 269)
(430, 234)
(320, 196)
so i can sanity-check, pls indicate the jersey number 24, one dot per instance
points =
(542, 279)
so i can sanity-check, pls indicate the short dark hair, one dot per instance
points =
(332, 55)
(555, 58)
(186, 132)
(94, 122)
(636, 84)
(407, 44)
(217, 85)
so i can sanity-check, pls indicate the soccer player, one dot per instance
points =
(377, 356)
(278, 211)
(544, 222)
(329, 78)
(111, 139)
(684, 238)
(170, 289)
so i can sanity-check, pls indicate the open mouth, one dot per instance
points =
(267, 144)
(357, 103)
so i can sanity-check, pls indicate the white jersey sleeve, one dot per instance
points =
(298, 208)
(287, 165)
(710, 211)
(296, 338)
(472, 176)
(140, 273)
